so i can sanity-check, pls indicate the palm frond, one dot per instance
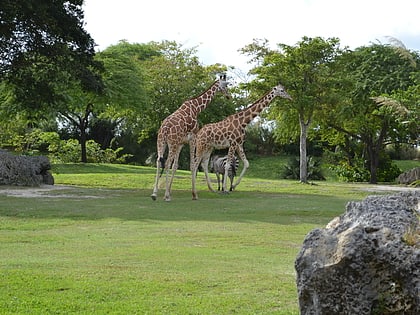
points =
(394, 105)
(401, 50)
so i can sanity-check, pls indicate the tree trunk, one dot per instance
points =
(374, 149)
(84, 122)
(83, 143)
(373, 164)
(303, 169)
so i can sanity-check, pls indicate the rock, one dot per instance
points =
(24, 170)
(367, 261)
(409, 176)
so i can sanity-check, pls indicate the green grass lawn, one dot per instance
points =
(101, 246)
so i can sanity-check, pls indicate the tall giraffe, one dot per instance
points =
(229, 133)
(180, 128)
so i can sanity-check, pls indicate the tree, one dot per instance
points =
(123, 96)
(307, 72)
(39, 41)
(173, 77)
(376, 113)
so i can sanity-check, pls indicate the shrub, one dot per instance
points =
(355, 172)
(292, 169)
(388, 171)
(358, 170)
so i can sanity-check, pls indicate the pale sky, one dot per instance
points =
(220, 27)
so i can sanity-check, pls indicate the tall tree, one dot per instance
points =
(380, 98)
(306, 70)
(39, 40)
(123, 96)
(173, 77)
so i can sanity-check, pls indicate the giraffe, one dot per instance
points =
(180, 128)
(229, 133)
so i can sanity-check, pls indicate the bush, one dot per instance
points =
(356, 172)
(388, 171)
(403, 151)
(292, 169)
(69, 151)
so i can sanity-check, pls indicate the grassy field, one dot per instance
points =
(98, 244)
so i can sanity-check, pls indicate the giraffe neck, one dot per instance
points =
(248, 114)
(200, 102)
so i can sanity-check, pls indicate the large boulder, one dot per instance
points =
(409, 176)
(367, 261)
(20, 170)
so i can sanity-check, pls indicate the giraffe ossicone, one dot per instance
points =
(228, 133)
(178, 129)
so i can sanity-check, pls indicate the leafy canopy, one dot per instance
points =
(40, 42)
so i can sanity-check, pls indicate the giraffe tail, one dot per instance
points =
(162, 165)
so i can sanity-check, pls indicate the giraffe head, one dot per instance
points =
(279, 90)
(223, 86)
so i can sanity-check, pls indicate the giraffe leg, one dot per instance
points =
(168, 168)
(171, 172)
(242, 155)
(205, 165)
(155, 187)
(196, 163)
(192, 150)
(160, 163)
(194, 177)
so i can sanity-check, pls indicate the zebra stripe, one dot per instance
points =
(218, 167)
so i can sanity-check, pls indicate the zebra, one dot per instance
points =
(218, 164)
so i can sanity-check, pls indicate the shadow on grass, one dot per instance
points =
(127, 204)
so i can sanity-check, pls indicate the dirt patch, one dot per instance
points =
(43, 191)
(385, 188)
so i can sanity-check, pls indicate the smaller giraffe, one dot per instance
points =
(180, 128)
(229, 133)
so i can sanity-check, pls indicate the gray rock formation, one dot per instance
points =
(20, 170)
(409, 177)
(367, 261)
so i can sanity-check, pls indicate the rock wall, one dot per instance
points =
(367, 261)
(20, 170)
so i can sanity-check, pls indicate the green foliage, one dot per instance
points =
(378, 107)
(355, 172)
(260, 140)
(292, 169)
(176, 75)
(308, 72)
(358, 171)
(42, 41)
(401, 151)
(68, 151)
(388, 171)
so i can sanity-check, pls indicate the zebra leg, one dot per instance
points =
(218, 179)
(228, 165)
(231, 182)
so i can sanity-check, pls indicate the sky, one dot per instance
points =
(219, 28)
